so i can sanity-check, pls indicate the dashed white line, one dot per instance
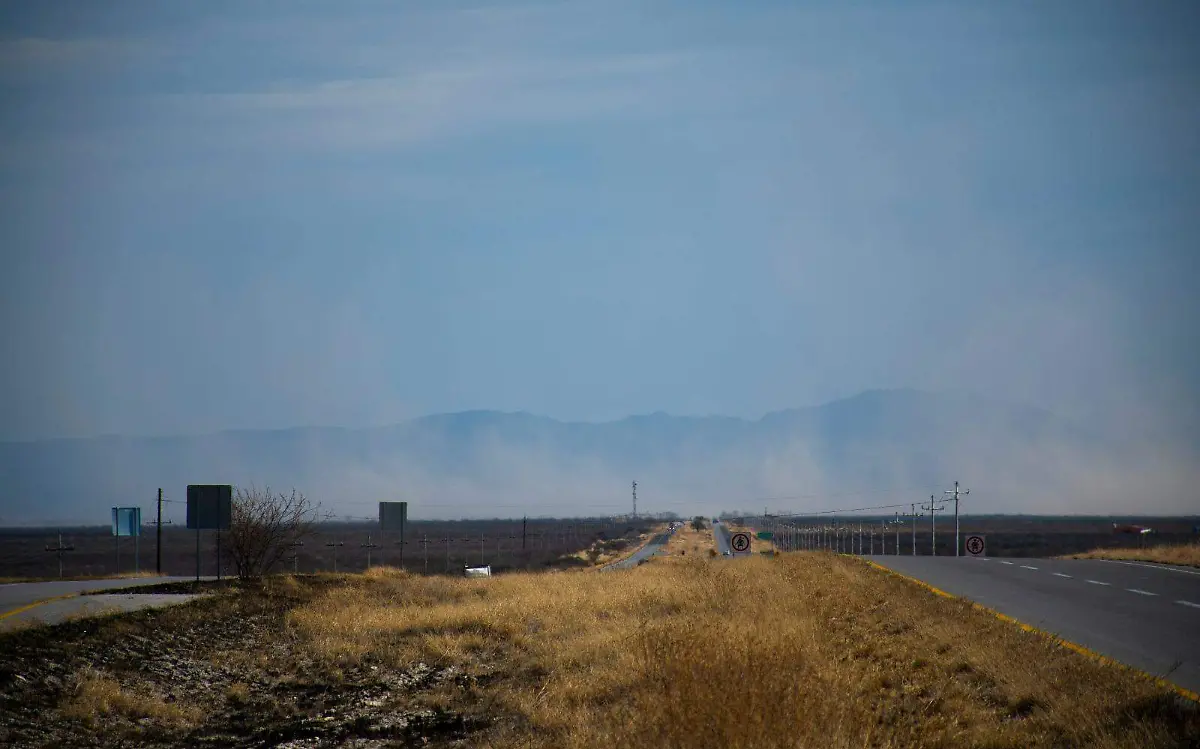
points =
(1189, 603)
(1097, 582)
(1027, 567)
(1059, 574)
(1141, 592)
(1004, 562)
(1152, 566)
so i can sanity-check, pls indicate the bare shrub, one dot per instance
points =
(265, 526)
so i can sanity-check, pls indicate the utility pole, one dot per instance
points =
(425, 548)
(335, 545)
(933, 510)
(157, 538)
(635, 499)
(368, 546)
(59, 551)
(295, 545)
(914, 528)
(956, 496)
(524, 528)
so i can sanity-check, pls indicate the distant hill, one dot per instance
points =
(876, 447)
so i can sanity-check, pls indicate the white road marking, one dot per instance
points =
(1059, 574)
(1141, 592)
(1097, 582)
(1027, 567)
(1004, 562)
(1152, 566)
(1189, 603)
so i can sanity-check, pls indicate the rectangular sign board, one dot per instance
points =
(393, 515)
(127, 521)
(209, 506)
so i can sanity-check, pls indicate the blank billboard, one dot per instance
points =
(127, 521)
(209, 506)
(392, 515)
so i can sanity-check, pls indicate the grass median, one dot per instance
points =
(1185, 555)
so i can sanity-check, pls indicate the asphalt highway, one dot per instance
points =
(1144, 615)
(54, 601)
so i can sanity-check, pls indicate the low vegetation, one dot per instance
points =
(792, 650)
(1187, 554)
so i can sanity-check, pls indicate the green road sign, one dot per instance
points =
(765, 535)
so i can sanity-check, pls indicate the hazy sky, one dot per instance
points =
(236, 214)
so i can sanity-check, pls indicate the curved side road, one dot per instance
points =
(1144, 616)
(50, 602)
(654, 546)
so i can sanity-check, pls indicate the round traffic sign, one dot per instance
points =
(975, 545)
(740, 542)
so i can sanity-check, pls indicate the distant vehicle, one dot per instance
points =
(478, 571)
(727, 553)
(1117, 528)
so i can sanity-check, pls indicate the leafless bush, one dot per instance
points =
(266, 526)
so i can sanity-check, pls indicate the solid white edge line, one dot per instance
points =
(1097, 582)
(1148, 566)
(1189, 603)
(1141, 592)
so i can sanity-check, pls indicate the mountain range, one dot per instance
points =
(878, 447)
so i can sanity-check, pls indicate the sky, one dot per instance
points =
(227, 215)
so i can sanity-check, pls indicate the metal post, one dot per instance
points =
(425, 548)
(197, 555)
(956, 494)
(524, 527)
(158, 538)
(335, 545)
(914, 529)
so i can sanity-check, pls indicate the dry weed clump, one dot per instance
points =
(94, 695)
(798, 650)
(1187, 555)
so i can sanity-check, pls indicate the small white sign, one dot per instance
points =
(975, 546)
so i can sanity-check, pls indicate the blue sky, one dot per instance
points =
(227, 215)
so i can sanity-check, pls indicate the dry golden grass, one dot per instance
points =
(796, 650)
(1187, 555)
(687, 541)
(94, 696)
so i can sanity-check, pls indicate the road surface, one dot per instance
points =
(54, 601)
(654, 546)
(1144, 615)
